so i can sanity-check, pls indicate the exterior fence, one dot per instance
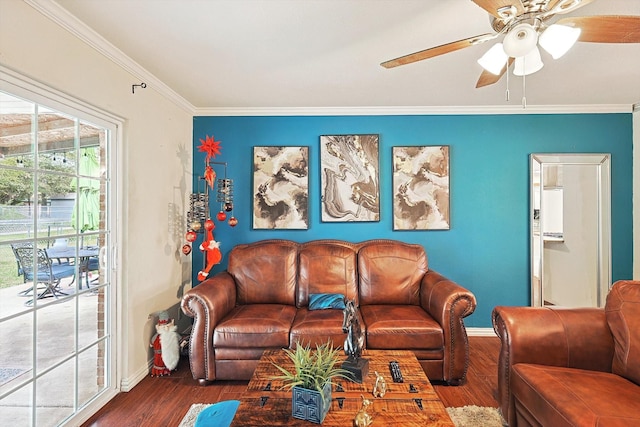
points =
(22, 219)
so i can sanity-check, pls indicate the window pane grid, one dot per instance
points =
(53, 198)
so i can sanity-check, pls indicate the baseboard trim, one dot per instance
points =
(481, 332)
(130, 382)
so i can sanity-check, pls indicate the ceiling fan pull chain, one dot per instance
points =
(506, 94)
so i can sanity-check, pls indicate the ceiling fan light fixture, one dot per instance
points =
(494, 59)
(521, 40)
(558, 39)
(529, 64)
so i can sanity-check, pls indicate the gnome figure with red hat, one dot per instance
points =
(211, 248)
(166, 346)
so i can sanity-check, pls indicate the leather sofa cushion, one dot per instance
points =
(265, 272)
(558, 396)
(409, 327)
(623, 316)
(255, 325)
(390, 272)
(327, 267)
(312, 327)
(232, 353)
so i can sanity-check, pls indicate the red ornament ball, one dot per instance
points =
(191, 236)
(209, 225)
(186, 249)
(221, 216)
(233, 221)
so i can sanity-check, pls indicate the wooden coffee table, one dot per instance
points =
(411, 403)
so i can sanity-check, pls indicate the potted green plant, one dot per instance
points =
(311, 379)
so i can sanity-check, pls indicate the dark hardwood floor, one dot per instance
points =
(163, 401)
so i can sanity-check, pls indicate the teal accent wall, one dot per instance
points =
(487, 248)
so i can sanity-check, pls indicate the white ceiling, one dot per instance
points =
(326, 53)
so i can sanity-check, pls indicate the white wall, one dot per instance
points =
(156, 164)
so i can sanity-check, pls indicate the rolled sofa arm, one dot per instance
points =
(566, 337)
(449, 303)
(207, 303)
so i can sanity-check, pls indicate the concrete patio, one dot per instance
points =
(54, 326)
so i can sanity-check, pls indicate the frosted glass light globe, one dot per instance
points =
(558, 39)
(494, 59)
(521, 40)
(528, 64)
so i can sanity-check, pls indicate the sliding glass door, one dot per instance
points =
(56, 269)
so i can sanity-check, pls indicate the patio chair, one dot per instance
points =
(20, 272)
(19, 266)
(92, 263)
(40, 270)
(89, 265)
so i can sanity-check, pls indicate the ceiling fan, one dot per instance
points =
(525, 24)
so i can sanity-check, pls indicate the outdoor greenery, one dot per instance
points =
(56, 176)
(9, 214)
(9, 271)
(8, 268)
(16, 185)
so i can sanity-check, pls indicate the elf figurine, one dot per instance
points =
(166, 346)
(211, 248)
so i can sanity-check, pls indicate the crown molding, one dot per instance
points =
(56, 13)
(427, 110)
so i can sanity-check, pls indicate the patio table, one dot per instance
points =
(84, 255)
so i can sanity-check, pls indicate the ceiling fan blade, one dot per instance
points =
(606, 29)
(566, 6)
(435, 51)
(492, 6)
(487, 78)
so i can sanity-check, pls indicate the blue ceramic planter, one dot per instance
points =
(308, 404)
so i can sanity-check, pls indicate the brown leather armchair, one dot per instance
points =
(571, 366)
(262, 302)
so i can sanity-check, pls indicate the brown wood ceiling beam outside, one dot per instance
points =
(24, 128)
(49, 146)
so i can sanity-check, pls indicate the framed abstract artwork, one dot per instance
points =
(349, 178)
(421, 188)
(281, 188)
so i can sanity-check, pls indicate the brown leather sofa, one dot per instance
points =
(262, 302)
(571, 367)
